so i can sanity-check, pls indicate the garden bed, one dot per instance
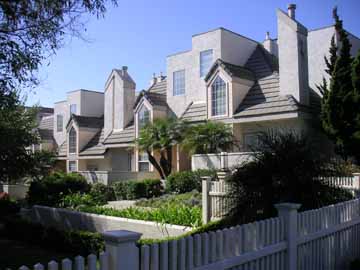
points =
(66, 219)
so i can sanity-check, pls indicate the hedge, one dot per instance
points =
(132, 190)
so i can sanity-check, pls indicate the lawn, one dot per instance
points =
(15, 254)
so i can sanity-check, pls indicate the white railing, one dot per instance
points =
(326, 238)
(110, 177)
(219, 161)
(215, 204)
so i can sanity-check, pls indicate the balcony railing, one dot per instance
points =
(110, 177)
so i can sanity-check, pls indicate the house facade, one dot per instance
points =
(225, 76)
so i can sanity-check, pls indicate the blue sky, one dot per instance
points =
(141, 33)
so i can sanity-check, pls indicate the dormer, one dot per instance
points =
(148, 106)
(226, 87)
(119, 100)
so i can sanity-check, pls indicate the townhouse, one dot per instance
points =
(225, 76)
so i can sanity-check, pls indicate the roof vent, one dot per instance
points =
(291, 11)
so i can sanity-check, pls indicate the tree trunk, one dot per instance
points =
(155, 164)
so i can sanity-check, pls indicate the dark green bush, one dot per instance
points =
(186, 181)
(8, 207)
(52, 188)
(132, 190)
(355, 265)
(78, 242)
(101, 193)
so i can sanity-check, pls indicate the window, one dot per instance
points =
(72, 166)
(72, 141)
(205, 62)
(59, 123)
(179, 82)
(251, 140)
(143, 117)
(73, 109)
(218, 97)
(143, 162)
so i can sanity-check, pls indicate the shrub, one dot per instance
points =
(78, 242)
(186, 181)
(285, 168)
(101, 193)
(76, 200)
(131, 190)
(52, 188)
(7, 206)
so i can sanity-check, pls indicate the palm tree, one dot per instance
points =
(159, 137)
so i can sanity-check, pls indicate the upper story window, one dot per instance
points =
(143, 117)
(73, 109)
(72, 141)
(179, 82)
(59, 123)
(206, 58)
(218, 97)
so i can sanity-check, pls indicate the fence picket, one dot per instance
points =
(66, 264)
(91, 262)
(164, 255)
(190, 252)
(38, 266)
(104, 261)
(154, 257)
(52, 265)
(79, 263)
(145, 257)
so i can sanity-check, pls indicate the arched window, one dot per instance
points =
(143, 117)
(218, 97)
(72, 141)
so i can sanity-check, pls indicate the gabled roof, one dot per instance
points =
(232, 70)
(62, 149)
(95, 146)
(159, 87)
(156, 94)
(87, 121)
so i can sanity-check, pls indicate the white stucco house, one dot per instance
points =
(224, 76)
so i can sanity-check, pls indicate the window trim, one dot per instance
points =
(143, 161)
(226, 105)
(70, 147)
(173, 78)
(208, 68)
(75, 165)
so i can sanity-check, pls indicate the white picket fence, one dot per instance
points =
(215, 204)
(77, 264)
(323, 239)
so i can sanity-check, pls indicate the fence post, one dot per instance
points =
(356, 180)
(122, 250)
(206, 199)
(224, 163)
(288, 212)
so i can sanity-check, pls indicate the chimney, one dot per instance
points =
(153, 79)
(124, 70)
(270, 44)
(160, 78)
(291, 11)
(293, 57)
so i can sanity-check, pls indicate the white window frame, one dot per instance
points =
(177, 91)
(205, 67)
(69, 166)
(143, 161)
(141, 117)
(71, 150)
(59, 123)
(212, 102)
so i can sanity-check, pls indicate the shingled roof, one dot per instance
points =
(95, 146)
(232, 70)
(45, 128)
(195, 112)
(88, 121)
(159, 87)
(127, 135)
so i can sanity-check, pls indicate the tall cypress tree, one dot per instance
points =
(340, 104)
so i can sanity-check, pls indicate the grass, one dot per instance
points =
(16, 253)
(192, 198)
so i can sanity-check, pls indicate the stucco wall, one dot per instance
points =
(92, 103)
(120, 159)
(71, 220)
(60, 108)
(318, 47)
